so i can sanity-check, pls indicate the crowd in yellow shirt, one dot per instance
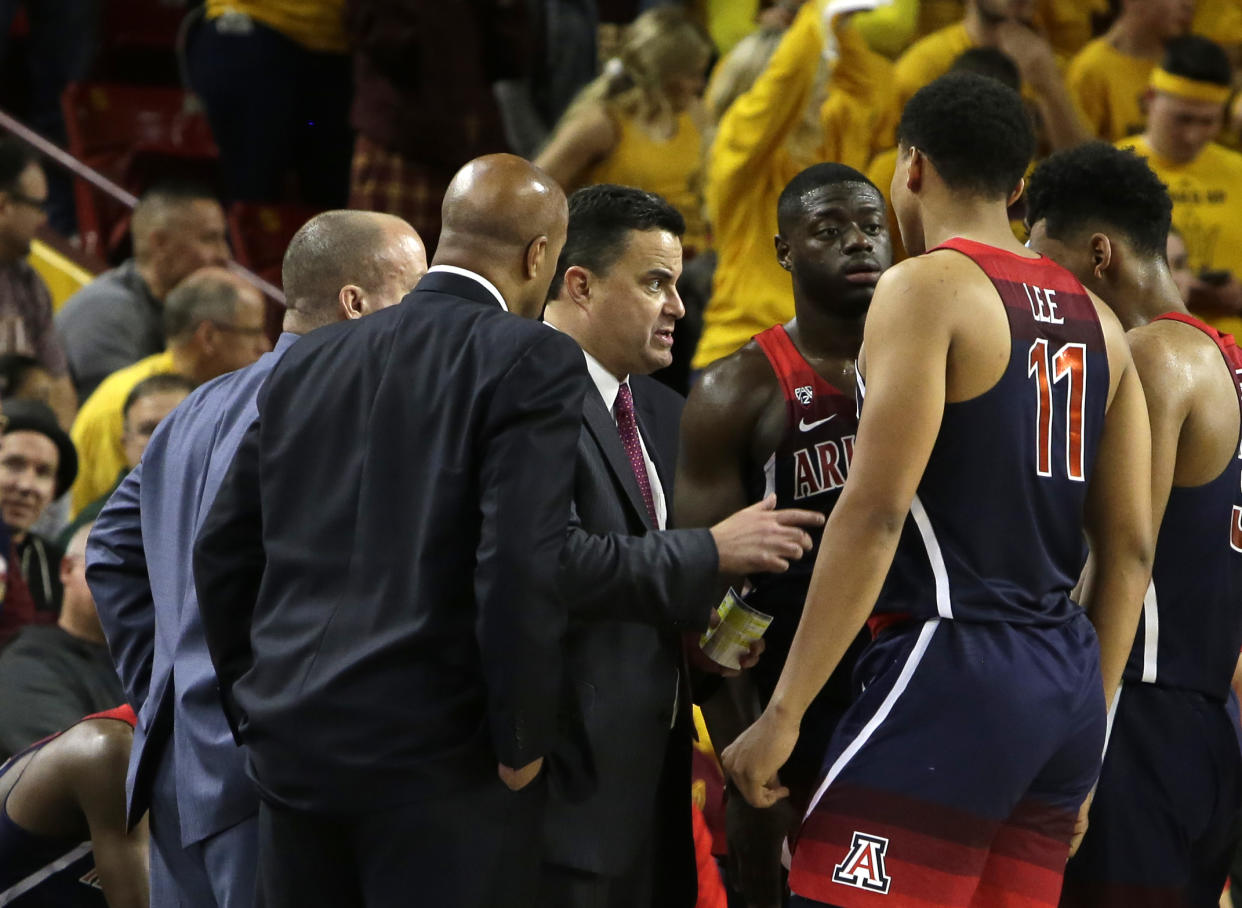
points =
(1085, 74)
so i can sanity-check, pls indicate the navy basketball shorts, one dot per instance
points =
(1164, 822)
(956, 777)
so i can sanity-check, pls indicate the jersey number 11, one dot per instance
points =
(1068, 364)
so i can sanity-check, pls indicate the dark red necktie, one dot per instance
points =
(627, 428)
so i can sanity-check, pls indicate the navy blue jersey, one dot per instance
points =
(1191, 627)
(41, 871)
(995, 529)
(807, 470)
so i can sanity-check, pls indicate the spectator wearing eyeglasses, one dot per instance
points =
(214, 323)
(26, 326)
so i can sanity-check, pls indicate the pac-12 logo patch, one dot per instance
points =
(863, 867)
(804, 394)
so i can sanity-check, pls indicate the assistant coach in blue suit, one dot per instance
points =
(185, 766)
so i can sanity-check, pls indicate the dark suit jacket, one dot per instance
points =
(377, 575)
(632, 592)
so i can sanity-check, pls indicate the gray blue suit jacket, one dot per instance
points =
(139, 569)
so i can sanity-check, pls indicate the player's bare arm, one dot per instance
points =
(74, 788)
(732, 422)
(1190, 403)
(1118, 512)
(911, 325)
(718, 426)
(100, 752)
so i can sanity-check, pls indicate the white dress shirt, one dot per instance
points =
(608, 387)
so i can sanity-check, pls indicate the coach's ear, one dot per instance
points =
(351, 302)
(1101, 254)
(577, 286)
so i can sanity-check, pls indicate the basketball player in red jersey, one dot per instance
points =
(779, 416)
(1165, 818)
(1002, 421)
(64, 841)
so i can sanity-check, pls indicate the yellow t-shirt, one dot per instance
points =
(1109, 87)
(937, 14)
(1067, 23)
(317, 25)
(729, 21)
(671, 168)
(1206, 195)
(750, 164)
(99, 425)
(1220, 20)
(928, 59)
(889, 29)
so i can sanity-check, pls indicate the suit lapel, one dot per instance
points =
(602, 428)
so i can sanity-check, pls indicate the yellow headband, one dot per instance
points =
(1190, 89)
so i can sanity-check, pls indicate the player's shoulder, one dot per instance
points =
(1173, 350)
(731, 395)
(741, 379)
(96, 748)
(940, 276)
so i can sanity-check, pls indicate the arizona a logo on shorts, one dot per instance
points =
(863, 867)
(804, 394)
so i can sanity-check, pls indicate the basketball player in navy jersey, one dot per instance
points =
(1165, 816)
(1002, 419)
(779, 417)
(64, 841)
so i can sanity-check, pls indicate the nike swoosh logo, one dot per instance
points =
(808, 426)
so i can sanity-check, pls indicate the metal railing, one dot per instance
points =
(59, 156)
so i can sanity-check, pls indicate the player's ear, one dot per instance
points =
(782, 252)
(914, 171)
(1016, 193)
(1101, 254)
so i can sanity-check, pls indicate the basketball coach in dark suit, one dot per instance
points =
(377, 575)
(634, 587)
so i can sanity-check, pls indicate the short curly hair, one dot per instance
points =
(1097, 185)
(976, 132)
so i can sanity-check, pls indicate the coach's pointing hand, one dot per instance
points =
(760, 538)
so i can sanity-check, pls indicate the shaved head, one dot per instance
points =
(363, 255)
(505, 218)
